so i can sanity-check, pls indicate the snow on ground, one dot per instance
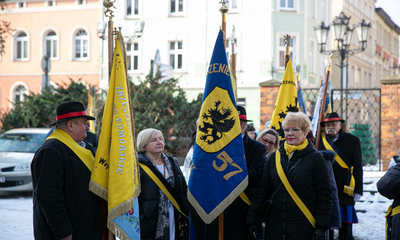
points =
(16, 214)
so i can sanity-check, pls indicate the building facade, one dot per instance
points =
(65, 30)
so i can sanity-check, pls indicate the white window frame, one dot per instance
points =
(311, 57)
(54, 40)
(294, 48)
(13, 88)
(177, 12)
(176, 52)
(81, 38)
(25, 45)
(132, 53)
(286, 8)
(133, 15)
(18, 4)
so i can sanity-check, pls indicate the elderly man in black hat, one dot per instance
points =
(347, 169)
(63, 206)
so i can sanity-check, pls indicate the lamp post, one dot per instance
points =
(342, 37)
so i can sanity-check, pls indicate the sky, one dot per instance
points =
(391, 7)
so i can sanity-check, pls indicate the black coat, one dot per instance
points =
(62, 202)
(310, 180)
(350, 147)
(389, 186)
(150, 195)
(235, 226)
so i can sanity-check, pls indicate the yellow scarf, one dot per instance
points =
(290, 148)
(84, 154)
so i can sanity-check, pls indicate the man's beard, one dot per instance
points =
(329, 132)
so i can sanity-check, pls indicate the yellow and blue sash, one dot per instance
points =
(291, 191)
(84, 154)
(389, 214)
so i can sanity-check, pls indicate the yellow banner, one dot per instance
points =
(115, 175)
(91, 111)
(286, 100)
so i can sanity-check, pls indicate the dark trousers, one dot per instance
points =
(346, 231)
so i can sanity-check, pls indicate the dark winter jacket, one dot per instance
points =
(310, 180)
(389, 186)
(62, 202)
(150, 195)
(235, 226)
(350, 147)
(334, 222)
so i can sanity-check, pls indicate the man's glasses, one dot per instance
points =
(293, 130)
(265, 141)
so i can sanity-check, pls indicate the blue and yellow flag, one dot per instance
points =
(219, 172)
(302, 105)
(115, 175)
(286, 100)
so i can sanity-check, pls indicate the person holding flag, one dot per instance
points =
(222, 170)
(63, 206)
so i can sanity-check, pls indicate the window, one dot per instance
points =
(176, 6)
(311, 57)
(282, 50)
(19, 94)
(233, 5)
(21, 47)
(312, 9)
(176, 55)
(51, 45)
(50, 3)
(21, 4)
(81, 45)
(132, 55)
(132, 7)
(80, 2)
(287, 4)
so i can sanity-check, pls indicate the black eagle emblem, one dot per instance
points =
(282, 115)
(220, 123)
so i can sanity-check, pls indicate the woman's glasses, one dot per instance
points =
(293, 130)
(265, 141)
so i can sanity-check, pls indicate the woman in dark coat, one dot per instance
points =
(389, 186)
(307, 174)
(158, 217)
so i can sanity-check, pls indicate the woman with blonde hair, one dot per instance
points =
(296, 185)
(270, 139)
(159, 219)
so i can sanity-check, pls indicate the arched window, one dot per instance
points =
(19, 94)
(81, 45)
(51, 45)
(21, 47)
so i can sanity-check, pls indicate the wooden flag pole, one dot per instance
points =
(224, 9)
(321, 114)
(233, 67)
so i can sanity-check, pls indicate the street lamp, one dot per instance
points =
(342, 36)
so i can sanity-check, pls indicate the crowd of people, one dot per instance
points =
(295, 191)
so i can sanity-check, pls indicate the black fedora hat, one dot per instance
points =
(331, 117)
(242, 114)
(69, 110)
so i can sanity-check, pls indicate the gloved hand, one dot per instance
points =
(319, 234)
(357, 196)
(253, 232)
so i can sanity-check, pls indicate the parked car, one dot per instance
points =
(17, 148)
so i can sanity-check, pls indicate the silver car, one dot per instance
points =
(17, 148)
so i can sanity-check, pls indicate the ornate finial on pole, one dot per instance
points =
(224, 9)
(108, 4)
(286, 41)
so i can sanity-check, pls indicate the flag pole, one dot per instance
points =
(224, 9)
(286, 41)
(233, 68)
(108, 12)
(321, 114)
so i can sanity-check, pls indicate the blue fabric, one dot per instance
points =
(129, 222)
(348, 214)
(219, 166)
(302, 105)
